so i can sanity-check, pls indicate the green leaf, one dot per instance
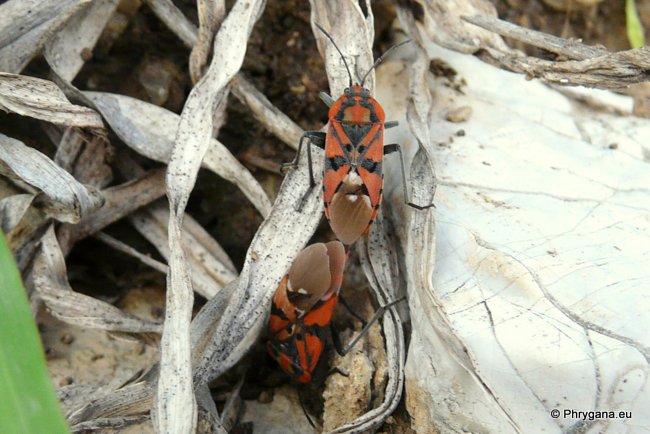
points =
(28, 404)
(634, 26)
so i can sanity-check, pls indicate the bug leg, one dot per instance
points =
(312, 183)
(389, 149)
(328, 100)
(343, 351)
(316, 138)
(344, 302)
(390, 124)
(301, 398)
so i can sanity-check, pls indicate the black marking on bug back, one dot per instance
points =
(371, 165)
(335, 163)
(373, 114)
(350, 102)
(356, 132)
(344, 147)
(278, 312)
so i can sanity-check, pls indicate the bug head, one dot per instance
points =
(359, 88)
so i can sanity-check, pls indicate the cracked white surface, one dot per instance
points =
(543, 249)
(542, 258)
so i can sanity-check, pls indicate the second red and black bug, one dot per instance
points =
(354, 147)
(302, 309)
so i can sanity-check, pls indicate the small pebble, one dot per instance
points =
(66, 381)
(86, 54)
(265, 396)
(460, 114)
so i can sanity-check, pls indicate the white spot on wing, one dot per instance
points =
(353, 178)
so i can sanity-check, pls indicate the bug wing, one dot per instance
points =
(337, 165)
(370, 166)
(370, 170)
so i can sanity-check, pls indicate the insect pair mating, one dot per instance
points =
(352, 193)
(353, 178)
(302, 310)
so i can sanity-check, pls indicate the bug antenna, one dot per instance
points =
(337, 49)
(381, 58)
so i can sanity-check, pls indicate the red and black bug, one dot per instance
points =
(303, 306)
(354, 150)
(302, 309)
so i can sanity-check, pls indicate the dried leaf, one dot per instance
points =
(50, 280)
(120, 201)
(150, 130)
(353, 33)
(596, 66)
(175, 20)
(26, 25)
(175, 407)
(441, 22)
(65, 51)
(12, 209)
(269, 115)
(42, 99)
(88, 154)
(128, 400)
(379, 262)
(125, 248)
(210, 272)
(211, 13)
(66, 200)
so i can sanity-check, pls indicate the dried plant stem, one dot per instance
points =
(125, 248)
(589, 66)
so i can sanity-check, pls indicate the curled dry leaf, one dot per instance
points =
(42, 99)
(64, 198)
(26, 25)
(173, 18)
(12, 209)
(269, 115)
(50, 280)
(211, 13)
(150, 130)
(354, 34)
(441, 22)
(86, 153)
(129, 400)
(64, 52)
(175, 407)
(120, 201)
(593, 67)
(211, 267)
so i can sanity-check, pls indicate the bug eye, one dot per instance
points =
(347, 90)
(365, 92)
